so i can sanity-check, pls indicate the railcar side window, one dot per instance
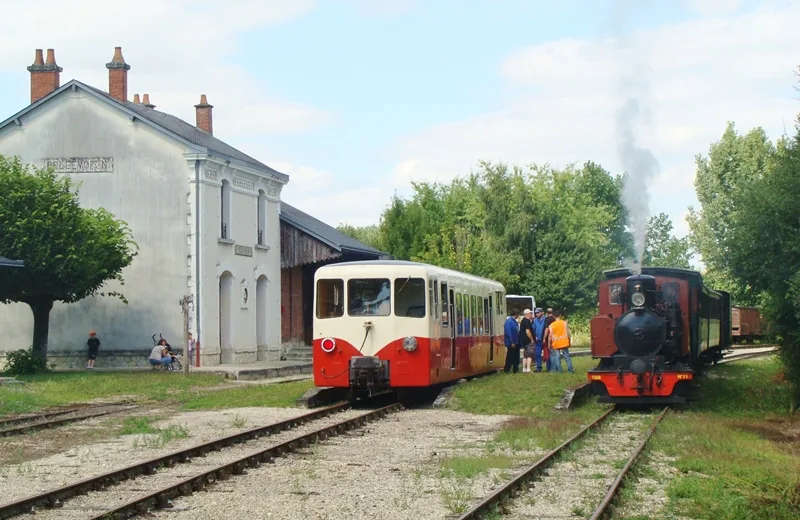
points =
(435, 305)
(445, 306)
(501, 309)
(330, 299)
(409, 297)
(370, 297)
(615, 294)
(459, 315)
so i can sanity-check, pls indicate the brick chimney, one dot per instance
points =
(118, 76)
(204, 121)
(146, 101)
(45, 76)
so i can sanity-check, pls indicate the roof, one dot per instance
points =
(172, 125)
(654, 271)
(6, 262)
(323, 232)
(408, 263)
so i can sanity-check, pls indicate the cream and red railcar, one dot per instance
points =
(654, 332)
(388, 324)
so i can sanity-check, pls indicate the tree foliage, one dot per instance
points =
(662, 248)
(734, 163)
(537, 230)
(748, 230)
(69, 252)
(370, 235)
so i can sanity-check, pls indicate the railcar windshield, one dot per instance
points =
(409, 297)
(369, 297)
(330, 299)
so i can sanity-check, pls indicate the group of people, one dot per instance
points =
(543, 338)
(161, 354)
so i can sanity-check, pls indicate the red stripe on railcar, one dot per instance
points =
(629, 383)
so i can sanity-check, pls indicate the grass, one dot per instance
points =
(190, 392)
(470, 467)
(531, 397)
(734, 448)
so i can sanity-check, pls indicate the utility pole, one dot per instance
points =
(186, 302)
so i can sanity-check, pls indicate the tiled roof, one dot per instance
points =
(324, 232)
(169, 123)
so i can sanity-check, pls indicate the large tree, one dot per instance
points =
(69, 252)
(733, 164)
(662, 248)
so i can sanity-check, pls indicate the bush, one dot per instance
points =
(23, 362)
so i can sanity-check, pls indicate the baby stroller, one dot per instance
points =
(175, 364)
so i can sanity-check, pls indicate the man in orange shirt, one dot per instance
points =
(560, 339)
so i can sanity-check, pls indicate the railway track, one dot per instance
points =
(43, 421)
(508, 497)
(164, 477)
(765, 351)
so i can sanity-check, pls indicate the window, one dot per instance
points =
(225, 209)
(369, 297)
(615, 294)
(435, 310)
(459, 315)
(669, 293)
(445, 306)
(262, 218)
(330, 299)
(501, 311)
(409, 297)
(431, 307)
(473, 312)
(487, 317)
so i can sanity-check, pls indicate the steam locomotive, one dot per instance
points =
(654, 332)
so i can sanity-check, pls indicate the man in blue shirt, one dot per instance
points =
(511, 337)
(538, 336)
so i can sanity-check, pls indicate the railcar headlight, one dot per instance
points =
(410, 344)
(638, 299)
(328, 344)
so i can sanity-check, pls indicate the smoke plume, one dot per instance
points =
(639, 164)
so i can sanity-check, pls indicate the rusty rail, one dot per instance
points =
(55, 497)
(35, 426)
(602, 509)
(529, 473)
(161, 498)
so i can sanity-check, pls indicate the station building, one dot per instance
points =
(207, 219)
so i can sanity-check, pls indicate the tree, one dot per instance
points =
(69, 252)
(733, 164)
(661, 247)
(370, 235)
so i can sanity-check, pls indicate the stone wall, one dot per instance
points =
(76, 359)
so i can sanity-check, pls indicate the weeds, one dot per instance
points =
(456, 496)
(238, 421)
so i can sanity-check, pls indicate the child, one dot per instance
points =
(94, 345)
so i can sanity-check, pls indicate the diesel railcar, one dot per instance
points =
(654, 332)
(388, 324)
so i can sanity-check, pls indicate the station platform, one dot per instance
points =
(260, 370)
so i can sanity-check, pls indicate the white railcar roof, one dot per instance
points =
(399, 265)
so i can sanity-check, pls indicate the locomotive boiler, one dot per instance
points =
(654, 332)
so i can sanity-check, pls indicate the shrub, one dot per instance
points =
(22, 362)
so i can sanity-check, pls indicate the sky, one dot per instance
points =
(354, 99)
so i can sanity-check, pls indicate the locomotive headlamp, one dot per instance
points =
(637, 299)
(410, 344)
(328, 344)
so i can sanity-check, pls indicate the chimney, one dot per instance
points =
(136, 99)
(45, 76)
(146, 101)
(118, 76)
(204, 122)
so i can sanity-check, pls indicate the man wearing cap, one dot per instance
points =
(538, 336)
(526, 338)
(511, 338)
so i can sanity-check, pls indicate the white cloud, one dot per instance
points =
(357, 207)
(177, 49)
(701, 73)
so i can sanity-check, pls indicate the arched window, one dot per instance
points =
(262, 218)
(225, 206)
